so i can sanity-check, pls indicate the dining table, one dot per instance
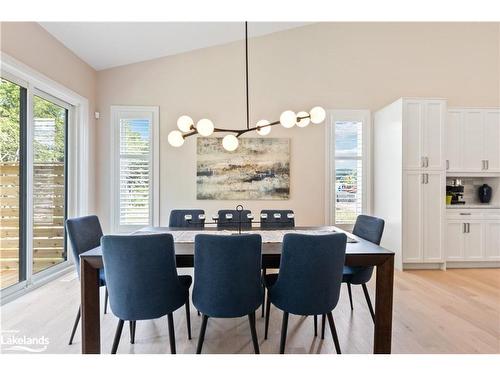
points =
(359, 252)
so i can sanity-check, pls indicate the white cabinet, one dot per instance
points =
(473, 241)
(464, 241)
(473, 140)
(472, 235)
(454, 240)
(492, 140)
(424, 133)
(423, 217)
(409, 162)
(492, 240)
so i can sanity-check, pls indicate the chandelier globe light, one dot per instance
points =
(230, 142)
(262, 128)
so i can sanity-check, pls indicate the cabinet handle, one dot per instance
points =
(427, 178)
(463, 228)
(426, 162)
(465, 213)
(423, 178)
(422, 161)
(487, 162)
(482, 165)
(447, 164)
(468, 227)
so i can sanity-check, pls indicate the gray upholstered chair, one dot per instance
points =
(187, 218)
(309, 279)
(143, 282)
(277, 219)
(84, 234)
(234, 222)
(227, 282)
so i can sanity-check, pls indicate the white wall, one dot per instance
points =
(336, 65)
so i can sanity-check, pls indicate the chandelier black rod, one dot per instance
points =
(246, 73)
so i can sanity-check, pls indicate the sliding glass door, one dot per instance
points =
(50, 123)
(12, 177)
(33, 183)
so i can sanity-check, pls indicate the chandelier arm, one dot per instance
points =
(243, 131)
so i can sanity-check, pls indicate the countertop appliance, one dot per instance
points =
(455, 188)
(484, 192)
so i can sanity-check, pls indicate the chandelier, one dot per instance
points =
(230, 142)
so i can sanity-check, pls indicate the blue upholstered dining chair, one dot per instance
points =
(227, 282)
(178, 219)
(276, 219)
(233, 223)
(309, 279)
(84, 234)
(371, 229)
(142, 280)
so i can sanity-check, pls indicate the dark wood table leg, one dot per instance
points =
(91, 330)
(383, 307)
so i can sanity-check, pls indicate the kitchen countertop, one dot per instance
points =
(473, 206)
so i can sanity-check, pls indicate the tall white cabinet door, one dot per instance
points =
(433, 134)
(454, 240)
(473, 242)
(492, 240)
(412, 130)
(453, 133)
(412, 217)
(433, 216)
(472, 141)
(492, 139)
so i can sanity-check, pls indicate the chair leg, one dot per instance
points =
(75, 325)
(268, 314)
(284, 327)
(334, 332)
(188, 318)
(106, 301)
(202, 334)
(132, 324)
(350, 294)
(171, 332)
(315, 325)
(323, 318)
(264, 292)
(368, 301)
(118, 335)
(251, 319)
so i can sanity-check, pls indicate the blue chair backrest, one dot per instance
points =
(310, 273)
(272, 222)
(141, 276)
(246, 223)
(178, 219)
(227, 269)
(369, 228)
(84, 234)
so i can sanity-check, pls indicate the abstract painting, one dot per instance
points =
(259, 169)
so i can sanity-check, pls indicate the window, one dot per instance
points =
(134, 190)
(349, 166)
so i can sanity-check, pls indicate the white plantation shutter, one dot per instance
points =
(135, 171)
(134, 187)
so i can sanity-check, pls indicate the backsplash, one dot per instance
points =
(472, 184)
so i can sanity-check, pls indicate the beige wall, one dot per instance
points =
(29, 43)
(336, 65)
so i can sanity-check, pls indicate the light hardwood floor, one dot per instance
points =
(454, 311)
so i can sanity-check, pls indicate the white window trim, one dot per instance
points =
(78, 161)
(155, 160)
(353, 115)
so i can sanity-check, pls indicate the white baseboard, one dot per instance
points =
(444, 266)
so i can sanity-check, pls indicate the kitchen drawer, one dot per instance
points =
(473, 214)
